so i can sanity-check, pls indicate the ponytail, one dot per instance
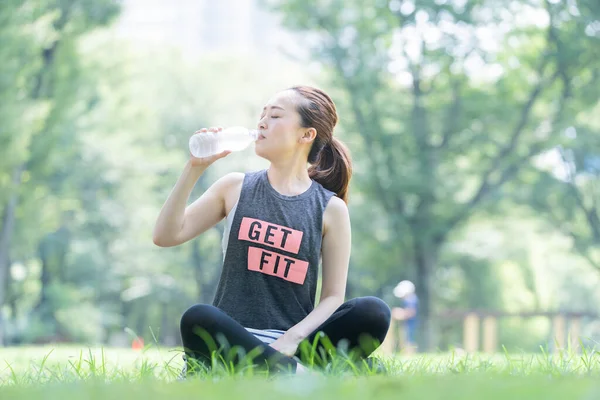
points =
(333, 168)
(329, 158)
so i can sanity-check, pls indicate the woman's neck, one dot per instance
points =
(289, 178)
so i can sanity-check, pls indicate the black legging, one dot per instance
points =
(354, 325)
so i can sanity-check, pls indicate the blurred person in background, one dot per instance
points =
(405, 291)
(281, 222)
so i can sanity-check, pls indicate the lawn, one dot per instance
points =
(66, 373)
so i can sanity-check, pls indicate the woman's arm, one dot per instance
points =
(176, 223)
(336, 258)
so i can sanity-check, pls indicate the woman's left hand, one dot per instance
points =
(285, 345)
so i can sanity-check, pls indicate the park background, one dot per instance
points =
(474, 128)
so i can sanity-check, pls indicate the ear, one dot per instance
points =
(309, 135)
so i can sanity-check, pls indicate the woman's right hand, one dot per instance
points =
(206, 161)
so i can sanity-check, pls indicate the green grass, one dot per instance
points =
(68, 373)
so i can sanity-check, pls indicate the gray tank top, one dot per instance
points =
(270, 268)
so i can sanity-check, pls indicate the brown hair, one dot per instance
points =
(330, 160)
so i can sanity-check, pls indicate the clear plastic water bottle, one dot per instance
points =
(234, 138)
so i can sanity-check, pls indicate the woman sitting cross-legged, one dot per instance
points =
(281, 223)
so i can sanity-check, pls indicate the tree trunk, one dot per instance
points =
(425, 255)
(52, 252)
(5, 282)
(6, 233)
(11, 300)
(45, 278)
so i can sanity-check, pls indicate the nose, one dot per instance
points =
(262, 124)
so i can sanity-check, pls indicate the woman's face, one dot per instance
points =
(281, 134)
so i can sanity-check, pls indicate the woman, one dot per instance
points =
(281, 222)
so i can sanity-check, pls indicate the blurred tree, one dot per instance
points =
(451, 99)
(87, 162)
(568, 195)
(40, 71)
(563, 185)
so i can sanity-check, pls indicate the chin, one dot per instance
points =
(270, 151)
(259, 151)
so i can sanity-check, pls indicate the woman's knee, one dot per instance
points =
(372, 304)
(374, 311)
(198, 315)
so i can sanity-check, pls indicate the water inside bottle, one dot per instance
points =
(233, 139)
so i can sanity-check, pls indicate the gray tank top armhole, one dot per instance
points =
(227, 230)
(230, 217)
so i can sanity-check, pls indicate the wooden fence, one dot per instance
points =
(480, 328)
